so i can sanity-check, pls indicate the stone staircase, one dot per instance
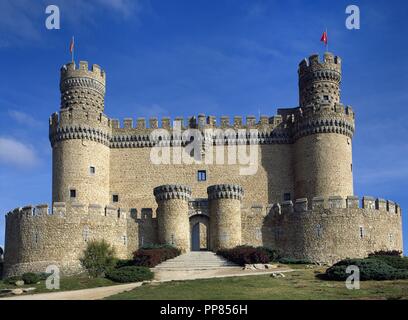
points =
(195, 260)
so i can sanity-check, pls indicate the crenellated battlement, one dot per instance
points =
(70, 209)
(201, 122)
(313, 63)
(71, 70)
(327, 204)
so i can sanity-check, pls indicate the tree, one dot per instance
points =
(99, 257)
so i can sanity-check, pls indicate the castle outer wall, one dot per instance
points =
(299, 199)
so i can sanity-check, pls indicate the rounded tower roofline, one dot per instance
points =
(82, 87)
(319, 80)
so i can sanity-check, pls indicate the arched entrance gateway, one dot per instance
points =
(199, 224)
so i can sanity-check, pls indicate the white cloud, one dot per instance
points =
(16, 153)
(24, 118)
(22, 21)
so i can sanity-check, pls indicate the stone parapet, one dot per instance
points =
(225, 191)
(172, 191)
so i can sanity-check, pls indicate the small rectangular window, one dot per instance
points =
(286, 196)
(92, 170)
(72, 193)
(202, 175)
(115, 198)
(326, 98)
(361, 232)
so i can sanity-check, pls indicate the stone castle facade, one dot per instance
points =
(105, 186)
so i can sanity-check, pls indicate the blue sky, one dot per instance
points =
(183, 57)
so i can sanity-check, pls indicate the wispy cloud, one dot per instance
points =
(22, 21)
(16, 153)
(24, 118)
(154, 110)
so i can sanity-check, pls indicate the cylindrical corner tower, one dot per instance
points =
(323, 131)
(80, 137)
(172, 215)
(225, 215)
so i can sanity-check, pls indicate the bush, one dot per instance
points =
(151, 257)
(370, 269)
(396, 262)
(124, 263)
(12, 280)
(274, 255)
(245, 255)
(129, 274)
(31, 278)
(293, 261)
(99, 257)
(386, 253)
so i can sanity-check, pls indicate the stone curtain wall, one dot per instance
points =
(326, 230)
(37, 237)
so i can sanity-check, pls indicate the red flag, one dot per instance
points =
(324, 38)
(71, 45)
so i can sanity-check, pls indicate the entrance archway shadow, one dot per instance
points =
(199, 232)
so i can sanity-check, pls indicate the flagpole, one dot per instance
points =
(327, 41)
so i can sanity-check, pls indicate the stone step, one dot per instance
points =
(196, 260)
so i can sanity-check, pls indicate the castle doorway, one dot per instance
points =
(199, 224)
(199, 233)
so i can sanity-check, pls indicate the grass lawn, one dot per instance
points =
(66, 284)
(300, 284)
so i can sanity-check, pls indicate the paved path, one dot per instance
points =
(85, 294)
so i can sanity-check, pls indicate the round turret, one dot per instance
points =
(319, 81)
(225, 219)
(82, 88)
(172, 215)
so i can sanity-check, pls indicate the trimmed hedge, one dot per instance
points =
(129, 274)
(31, 278)
(245, 255)
(151, 257)
(371, 268)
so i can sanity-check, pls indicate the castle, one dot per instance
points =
(299, 199)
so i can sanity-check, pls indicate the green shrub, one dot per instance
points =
(129, 274)
(157, 246)
(274, 255)
(31, 278)
(99, 257)
(386, 253)
(293, 261)
(370, 269)
(12, 280)
(124, 263)
(242, 255)
(151, 257)
(396, 262)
